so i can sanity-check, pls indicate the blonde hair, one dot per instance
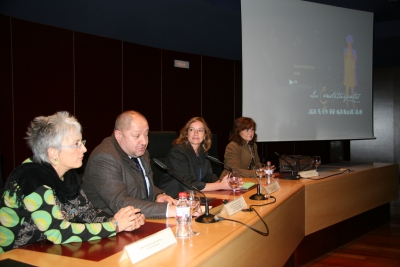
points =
(182, 138)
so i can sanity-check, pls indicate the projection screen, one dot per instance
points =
(307, 70)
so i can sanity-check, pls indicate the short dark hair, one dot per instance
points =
(240, 124)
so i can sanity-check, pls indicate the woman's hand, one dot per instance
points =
(129, 219)
(225, 183)
(139, 221)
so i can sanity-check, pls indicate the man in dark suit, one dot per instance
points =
(118, 172)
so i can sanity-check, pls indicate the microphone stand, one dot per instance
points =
(290, 177)
(207, 217)
(258, 195)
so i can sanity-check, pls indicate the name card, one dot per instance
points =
(235, 205)
(272, 187)
(147, 246)
(308, 174)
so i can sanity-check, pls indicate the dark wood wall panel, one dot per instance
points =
(46, 69)
(142, 82)
(315, 148)
(218, 96)
(267, 151)
(238, 91)
(6, 103)
(330, 151)
(98, 74)
(42, 76)
(181, 90)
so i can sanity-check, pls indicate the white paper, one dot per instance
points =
(147, 246)
(235, 205)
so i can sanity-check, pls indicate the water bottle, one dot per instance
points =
(268, 170)
(183, 217)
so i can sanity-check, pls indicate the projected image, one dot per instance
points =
(309, 67)
(319, 72)
(323, 76)
(350, 75)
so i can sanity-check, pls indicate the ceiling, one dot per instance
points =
(205, 27)
(384, 10)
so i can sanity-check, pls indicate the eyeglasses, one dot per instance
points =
(78, 144)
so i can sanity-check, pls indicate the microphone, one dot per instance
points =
(258, 195)
(207, 217)
(289, 177)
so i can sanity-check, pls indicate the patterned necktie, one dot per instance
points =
(136, 161)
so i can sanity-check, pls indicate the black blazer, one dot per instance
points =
(183, 161)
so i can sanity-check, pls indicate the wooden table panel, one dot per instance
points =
(334, 199)
(227, 243)
(302, 207)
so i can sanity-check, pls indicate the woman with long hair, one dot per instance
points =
(187, 158)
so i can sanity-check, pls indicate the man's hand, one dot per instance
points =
(166, 198)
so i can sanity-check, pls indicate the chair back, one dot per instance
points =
(160, 143)
(216, 167)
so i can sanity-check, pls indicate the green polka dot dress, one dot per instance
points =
(40, 215)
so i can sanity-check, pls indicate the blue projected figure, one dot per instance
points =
(350, 75)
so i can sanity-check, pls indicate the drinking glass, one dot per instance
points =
(194, 203)
(234, 182)
(260, 171)
(316, 161)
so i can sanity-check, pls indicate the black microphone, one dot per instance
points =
(207, 217)
(257, 196)
(288, 177)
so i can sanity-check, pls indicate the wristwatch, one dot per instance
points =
(114, 221)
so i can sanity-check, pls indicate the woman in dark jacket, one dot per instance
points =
(187, 159)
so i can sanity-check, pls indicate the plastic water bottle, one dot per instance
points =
(268, 172)
(183, 217)
(268, 169)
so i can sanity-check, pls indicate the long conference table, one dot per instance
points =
(303, 208)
